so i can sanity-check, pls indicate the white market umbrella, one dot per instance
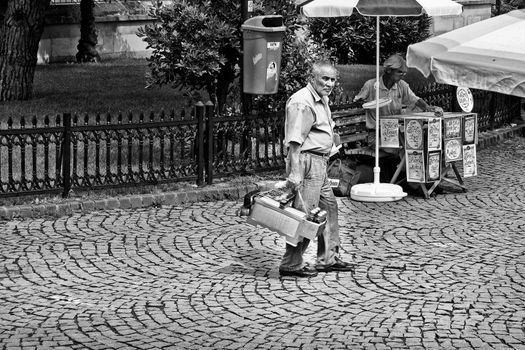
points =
(376, 191)
(487, 55)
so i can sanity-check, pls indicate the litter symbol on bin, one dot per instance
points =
(271, 71)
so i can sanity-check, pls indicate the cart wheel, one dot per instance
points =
(243, 211)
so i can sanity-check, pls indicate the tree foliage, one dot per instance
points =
(354, 37)
(503, 6)
(195, 46)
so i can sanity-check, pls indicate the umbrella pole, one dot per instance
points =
(376, 191)
(377, 170)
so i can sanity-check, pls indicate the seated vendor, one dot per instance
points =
(398, 91)
(393, 87)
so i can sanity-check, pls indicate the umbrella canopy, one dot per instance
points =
(340, 8)
(487, 55)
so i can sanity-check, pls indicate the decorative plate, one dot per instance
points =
(372, 104)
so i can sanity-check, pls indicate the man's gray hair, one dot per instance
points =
(395, 62)
(318, 65)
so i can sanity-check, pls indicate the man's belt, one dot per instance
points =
(316, 153)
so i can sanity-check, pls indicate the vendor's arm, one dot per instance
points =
(410, 97)
(365, 92)
(421, 104)
(428, 108)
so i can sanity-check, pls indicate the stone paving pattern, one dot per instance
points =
(442, 273)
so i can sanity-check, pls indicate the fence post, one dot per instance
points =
(66, 155)
(452, 90)
(210, 156)
(492, 109)
(199, 112)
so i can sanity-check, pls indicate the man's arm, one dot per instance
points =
(425, 107)
(421, 104)
(294, 177)
(299, 121)
(364, 93)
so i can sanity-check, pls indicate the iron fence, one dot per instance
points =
(72, 152)
(493, 109)
(247, 144)
(76, 153)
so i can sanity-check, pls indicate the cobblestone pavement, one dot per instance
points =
(442, 273)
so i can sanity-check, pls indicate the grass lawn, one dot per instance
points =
(119, 86)
(111, 86)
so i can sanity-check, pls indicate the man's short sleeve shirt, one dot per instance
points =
(400, 94)
(308, 121)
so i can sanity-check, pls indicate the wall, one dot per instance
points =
(116, 22)
(473, 11)
(115, 39)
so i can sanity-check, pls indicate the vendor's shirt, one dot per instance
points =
(309, 121)
(400, 94)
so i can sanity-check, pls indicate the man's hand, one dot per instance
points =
(438, 111)
(337, 139)
(359, 101)
(294, 181)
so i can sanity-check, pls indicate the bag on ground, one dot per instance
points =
(342, 177)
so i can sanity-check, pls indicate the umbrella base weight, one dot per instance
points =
(377, 192)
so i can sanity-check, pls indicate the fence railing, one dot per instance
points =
(493, 109)
(71, 152)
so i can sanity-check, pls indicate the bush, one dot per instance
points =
(504, 6)
(354, 38)
(195, 46)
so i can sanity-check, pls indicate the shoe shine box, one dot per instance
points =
(288, 222)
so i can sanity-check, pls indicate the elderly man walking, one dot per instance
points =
(310, 138)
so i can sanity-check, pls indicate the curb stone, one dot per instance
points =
(130, 202)
(203, 194)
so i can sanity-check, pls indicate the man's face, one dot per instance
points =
(324, 80)
(397, 74)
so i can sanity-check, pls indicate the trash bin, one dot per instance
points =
(263, 41)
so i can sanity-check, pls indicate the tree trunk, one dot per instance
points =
(21, 29)
(87, 51)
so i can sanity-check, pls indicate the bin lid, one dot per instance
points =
(270, 23)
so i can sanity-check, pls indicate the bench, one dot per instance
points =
(350, 124)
